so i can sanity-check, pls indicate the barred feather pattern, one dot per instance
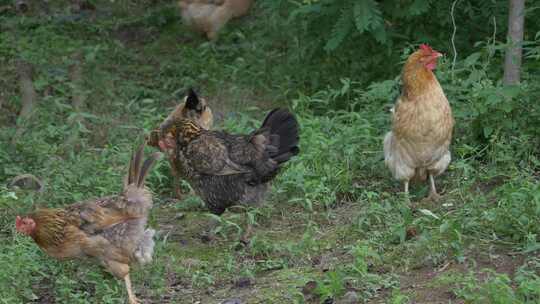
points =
(226, 169)
(185, 130)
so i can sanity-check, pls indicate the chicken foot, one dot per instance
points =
(208, 235)
(177, 188)
(177, 181)
(433, 195)
(246, 236)
(131, 295)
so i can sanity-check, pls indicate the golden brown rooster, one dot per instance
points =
(418, 145)
(111, 229)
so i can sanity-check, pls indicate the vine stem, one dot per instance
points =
(454, 36)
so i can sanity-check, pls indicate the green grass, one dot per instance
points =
(334, 216)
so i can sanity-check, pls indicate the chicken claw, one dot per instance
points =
(131, 296)
(434, 197)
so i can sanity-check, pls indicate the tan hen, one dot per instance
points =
(418, 145)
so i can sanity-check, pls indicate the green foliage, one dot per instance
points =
(399, 298)
(496, 288)
(334, 214)
(494, 109)
(20, 260)
(357, 275)
(517, 215)
(361, 39)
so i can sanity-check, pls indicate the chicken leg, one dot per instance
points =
(177, 189)
(131, 295)
(250, 223)
(208, 235)
(406, 186)
(433, 195)
(406, 191)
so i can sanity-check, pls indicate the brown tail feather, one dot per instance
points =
(147, 165)
(139, 155)
(137, 169)
(135, 165)
(130, 177)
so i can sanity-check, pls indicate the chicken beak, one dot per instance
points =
(437, 54)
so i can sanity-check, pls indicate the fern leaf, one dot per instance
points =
(340, 30)
(418, 7)
(380, 34)
(303, 10)
(367, 15)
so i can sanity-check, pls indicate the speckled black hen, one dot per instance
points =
(226, 169)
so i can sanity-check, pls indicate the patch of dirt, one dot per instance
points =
(499, 261)
(45, 292)
(134, 35)
(418, 283)
(536, 175)
(487, 186)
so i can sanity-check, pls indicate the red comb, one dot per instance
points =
(18, 221)
(426, 47)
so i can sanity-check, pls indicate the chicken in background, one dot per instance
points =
(111, 229)
(228, 169)
(417, 148)
(209, 16)
(195, 108)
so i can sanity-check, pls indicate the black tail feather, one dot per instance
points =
(284, 131)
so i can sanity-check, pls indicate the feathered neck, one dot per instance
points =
(50, 224)
(416, 78)
(185, 130)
